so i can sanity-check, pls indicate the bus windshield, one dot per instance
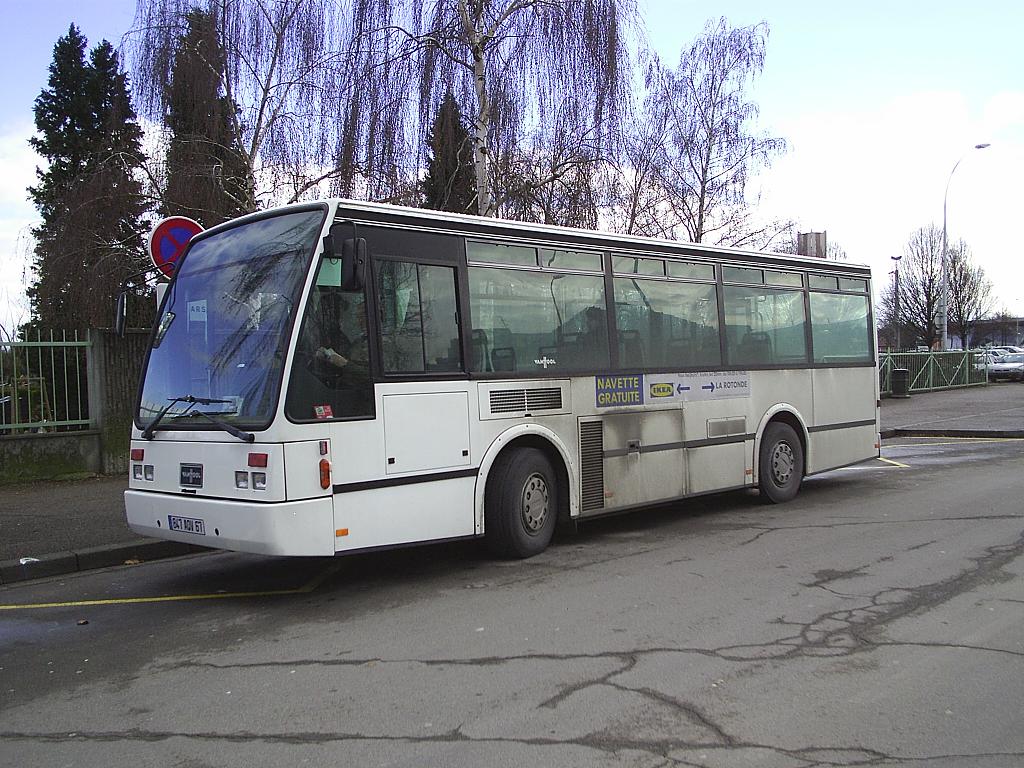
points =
(223, 332)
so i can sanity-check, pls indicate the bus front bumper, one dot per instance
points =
(304, 528)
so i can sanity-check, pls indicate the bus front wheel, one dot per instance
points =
(781, 463)
(521, 504)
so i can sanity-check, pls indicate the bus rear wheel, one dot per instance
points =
(780, 464)
(520, 504)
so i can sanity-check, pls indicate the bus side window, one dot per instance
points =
(418, 318)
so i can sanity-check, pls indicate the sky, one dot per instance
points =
(877, 102)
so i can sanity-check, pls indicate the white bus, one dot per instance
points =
(345, 376)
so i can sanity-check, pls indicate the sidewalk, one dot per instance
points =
(63, 526)
(996, 410)
(74, 525)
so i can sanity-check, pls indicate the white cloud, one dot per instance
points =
(870, 178)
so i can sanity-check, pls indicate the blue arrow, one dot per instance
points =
(681, 388)
(710, 386)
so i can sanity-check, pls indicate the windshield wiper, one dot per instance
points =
(147, 433)
(232, 430)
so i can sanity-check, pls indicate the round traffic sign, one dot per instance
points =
(168, 239)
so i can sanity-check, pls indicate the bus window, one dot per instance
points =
(574, 260)
(764, 326)
(331, 369)
(537, 321)
(631, 265)
(666, 324)
(499, 253)
(691, 270)
(418, 320)
(840, 328)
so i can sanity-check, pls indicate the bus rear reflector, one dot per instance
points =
(138, 454)
(325, 474)
(257, 459)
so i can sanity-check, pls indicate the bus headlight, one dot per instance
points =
(241, 480)
(137, 471)
(259, 481)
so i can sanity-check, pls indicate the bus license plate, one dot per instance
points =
(186, 525)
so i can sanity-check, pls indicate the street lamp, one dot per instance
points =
(896, 296)
(944, 288)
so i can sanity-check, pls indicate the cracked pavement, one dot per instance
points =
(877, 620)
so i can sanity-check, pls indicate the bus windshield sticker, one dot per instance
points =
(698, 385)
(323, 411)
(619, 390)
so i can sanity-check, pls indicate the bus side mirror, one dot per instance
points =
(353, 263)
(122, 313)
(353, 256)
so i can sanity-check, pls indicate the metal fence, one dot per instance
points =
(932, 370)
(43, 383)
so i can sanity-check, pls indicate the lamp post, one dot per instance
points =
(944, 288)
(896, 296)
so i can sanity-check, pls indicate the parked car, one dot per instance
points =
(983, 360)
(1010, 367)
(1009, 350)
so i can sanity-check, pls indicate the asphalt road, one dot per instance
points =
(876, 620)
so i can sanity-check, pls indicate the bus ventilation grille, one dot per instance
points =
(526, 400)
(544, 399)
(592, 465)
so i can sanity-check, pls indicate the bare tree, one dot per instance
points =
(280, 56)
(512, 64)
(712, 149)
(686, 157)
(552, 177)
(920, 278)
(636, 196)
(970, 292)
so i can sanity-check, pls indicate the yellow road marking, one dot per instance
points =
(894, 463)
(306, 588)
(867, 465)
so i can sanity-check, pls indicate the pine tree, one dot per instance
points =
(207, 176)
(90, 203)
(450, 182)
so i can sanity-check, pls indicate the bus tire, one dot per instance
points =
(780, 464)
(521, 504)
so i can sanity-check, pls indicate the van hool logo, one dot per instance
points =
(662, 389)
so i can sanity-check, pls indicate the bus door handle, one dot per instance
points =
(633, 448)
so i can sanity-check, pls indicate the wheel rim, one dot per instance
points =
(535, 503)
(783, 462)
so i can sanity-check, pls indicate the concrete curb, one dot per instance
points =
(61, 563)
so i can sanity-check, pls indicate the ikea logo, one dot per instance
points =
(662, 389)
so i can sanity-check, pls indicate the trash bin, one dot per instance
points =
(900, 382)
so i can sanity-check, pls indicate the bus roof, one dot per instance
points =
(442, 221)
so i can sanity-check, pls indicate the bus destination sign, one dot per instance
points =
(637, 389)
(619, 390)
